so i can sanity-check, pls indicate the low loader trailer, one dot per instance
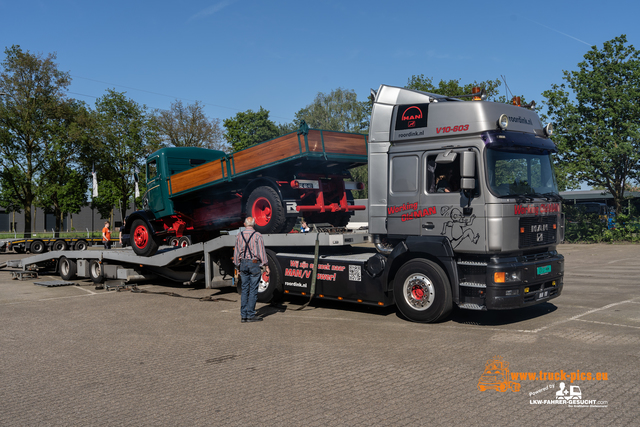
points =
(463, 211)
(38, 245)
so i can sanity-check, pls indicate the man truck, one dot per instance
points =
(463, 210)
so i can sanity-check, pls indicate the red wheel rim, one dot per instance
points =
(141, 236)
(261, 211)
(183, 244)
(265, 277)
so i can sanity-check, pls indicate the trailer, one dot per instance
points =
(341, 266)
(38, 245)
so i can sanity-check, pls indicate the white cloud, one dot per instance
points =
(212, 9)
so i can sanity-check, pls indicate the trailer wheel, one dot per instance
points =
(67, 268)
(265, 206)
(37, 247)
(96, 272)
(59, 245)
(81, 245)
(142, 240)
(270, 285)
(184, 242)
(18, 250)
(422, 291)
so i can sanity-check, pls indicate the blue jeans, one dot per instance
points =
(249, 277)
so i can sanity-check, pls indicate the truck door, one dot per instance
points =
(443, 203)
(154, 186)
(404, 194)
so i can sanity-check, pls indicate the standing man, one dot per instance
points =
(248, 256)
(106, 235)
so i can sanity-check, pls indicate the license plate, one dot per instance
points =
(544, 270)
(543, 295)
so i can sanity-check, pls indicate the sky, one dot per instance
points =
(237, 55)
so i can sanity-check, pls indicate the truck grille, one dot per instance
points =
(537, 231)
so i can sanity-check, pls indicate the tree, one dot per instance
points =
(61, 185)
(126, 136)
(452, 87)
(28, 114)
(188, 126)
(339, 110)
(598, 123)
(250, 128)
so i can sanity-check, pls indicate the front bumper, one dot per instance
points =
(541, 281)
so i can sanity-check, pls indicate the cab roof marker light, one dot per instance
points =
(503, 122)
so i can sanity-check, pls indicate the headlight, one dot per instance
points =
(503, 122)
(506, 276)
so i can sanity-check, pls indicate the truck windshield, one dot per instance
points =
(514, 173)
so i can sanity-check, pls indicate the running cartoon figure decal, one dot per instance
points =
(459, 228)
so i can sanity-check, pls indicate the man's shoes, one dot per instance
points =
(254, 319)
(243, 320)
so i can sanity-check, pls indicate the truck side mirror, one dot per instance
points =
(468, 170)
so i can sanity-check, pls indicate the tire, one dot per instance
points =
(422, 291)
(59, 245)
(289, 224)
(37, 247)
(81, 245)
(96, 271)
(173, 241)
(141, 239)
(18, 250)
(339, 219)
(184, 242)
(265, 206)
(270, 286)
(67, 268)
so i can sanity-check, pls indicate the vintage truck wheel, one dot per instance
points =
(142, 240)
(37, 247)
(174, 241)
(184, 242)
(67, 268)
(59, 245)
(265, 206)
(340, 219)
(422, 291)
(81, 245)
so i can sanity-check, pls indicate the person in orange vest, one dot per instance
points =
(106, 235)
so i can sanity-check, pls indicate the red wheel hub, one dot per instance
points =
(417, 292)
(265, 277)
(261, 211)
(141, 236)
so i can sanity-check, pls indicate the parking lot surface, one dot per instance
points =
(77, 356)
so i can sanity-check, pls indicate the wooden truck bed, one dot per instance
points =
(314, 147)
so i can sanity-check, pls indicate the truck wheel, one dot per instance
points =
(142, 240)
(59, 245)
(184, 242)
(37, 247)
(339, 219)
(81, 245)
(174, 241)
(422, 291)
(67, 268)
(265, 206)
(270, 285)
(289, 224)
(96, 272)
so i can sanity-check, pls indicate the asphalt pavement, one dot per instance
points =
(76, 356)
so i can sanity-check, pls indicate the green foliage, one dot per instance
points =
(597, 118)
(32, 115)
(582, 227)
(452, 87)
(338, 110)
(250, 128)
(126, 136)
(188, 126)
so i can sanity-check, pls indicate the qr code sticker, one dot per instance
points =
(355, 273)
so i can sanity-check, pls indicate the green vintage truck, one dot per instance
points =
(194, 193)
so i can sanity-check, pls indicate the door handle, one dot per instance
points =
(428, 226)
